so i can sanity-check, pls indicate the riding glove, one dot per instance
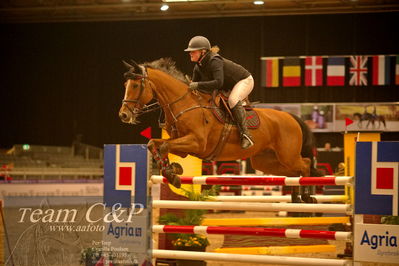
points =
(193, 86)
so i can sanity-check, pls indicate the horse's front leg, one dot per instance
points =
(160, 155)
(188, 144)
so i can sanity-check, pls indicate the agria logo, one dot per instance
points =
(377, 178)
(375, 241)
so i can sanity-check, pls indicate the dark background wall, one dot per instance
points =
(61, 79)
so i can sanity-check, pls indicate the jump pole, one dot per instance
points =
(275, 221)
(254, 231)
(265, 259)
(279, 250)
(259, 180)
(286, 198)
(254, 206)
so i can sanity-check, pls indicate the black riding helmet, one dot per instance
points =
(198, 43)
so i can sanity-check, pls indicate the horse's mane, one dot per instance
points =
(168, 66)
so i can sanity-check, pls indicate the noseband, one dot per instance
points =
(136, 110)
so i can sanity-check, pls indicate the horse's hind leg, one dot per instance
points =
(268, 163)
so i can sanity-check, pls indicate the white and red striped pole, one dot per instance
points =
(265, 259)
(254, 231)
(254, 206)
(259, 180)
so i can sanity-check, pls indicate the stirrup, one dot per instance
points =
(250, 141)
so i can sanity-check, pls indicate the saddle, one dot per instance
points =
(223, 114)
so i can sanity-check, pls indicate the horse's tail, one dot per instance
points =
(308, 146)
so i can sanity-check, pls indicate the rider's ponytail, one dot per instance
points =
(215, 49)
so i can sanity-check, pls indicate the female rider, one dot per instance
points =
(213, 72)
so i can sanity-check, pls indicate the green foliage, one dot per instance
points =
(390, 220)
(190, 217)
(190, 240)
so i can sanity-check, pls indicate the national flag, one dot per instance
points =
(358, 70)
(313, 71)
(125, 174)
(381, 67)
(291, 72)
(397, 71)
(336, 71)
(270, 73)
(377, 165)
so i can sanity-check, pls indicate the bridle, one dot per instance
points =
(136, 102)
(138, 111)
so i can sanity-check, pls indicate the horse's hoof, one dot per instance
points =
(295, 198)
(177, 168)
(307, 198)
(174, 180)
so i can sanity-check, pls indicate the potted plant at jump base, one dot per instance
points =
(189, 242)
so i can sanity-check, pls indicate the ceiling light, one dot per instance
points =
(259, 2)
(177, 1)
(164, 7)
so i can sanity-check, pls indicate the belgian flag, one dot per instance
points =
(291, 72)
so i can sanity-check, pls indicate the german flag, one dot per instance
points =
(291, 72)
(269, 77)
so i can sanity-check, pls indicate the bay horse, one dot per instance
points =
(283, 142)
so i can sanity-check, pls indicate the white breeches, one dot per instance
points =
(241, 91)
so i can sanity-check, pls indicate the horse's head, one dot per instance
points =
(137, 93)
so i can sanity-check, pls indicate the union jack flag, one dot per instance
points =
(358, 70)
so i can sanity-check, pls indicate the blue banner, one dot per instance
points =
(125, 174)
(377, 178)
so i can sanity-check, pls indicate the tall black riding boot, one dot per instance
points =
(239, 116)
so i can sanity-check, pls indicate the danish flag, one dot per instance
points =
(313, 71)
(377, 165)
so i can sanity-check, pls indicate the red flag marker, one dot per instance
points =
(146, 133)
(348, 121)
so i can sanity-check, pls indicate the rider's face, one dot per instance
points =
(195, 55)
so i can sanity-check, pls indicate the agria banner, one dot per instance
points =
(377, 178)
(376, 194)
(128, 236)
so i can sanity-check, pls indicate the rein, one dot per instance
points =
(155, 106)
